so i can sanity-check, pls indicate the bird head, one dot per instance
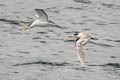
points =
(75, 35)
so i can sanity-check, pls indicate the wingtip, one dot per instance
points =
(38, 9)
(82, 64)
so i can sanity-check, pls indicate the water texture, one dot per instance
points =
(46, 53)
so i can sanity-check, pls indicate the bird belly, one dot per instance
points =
(38, 23)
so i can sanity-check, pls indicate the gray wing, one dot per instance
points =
(80, 53)
(42, 15)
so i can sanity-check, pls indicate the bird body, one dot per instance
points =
(82, 39)
(38, 22)
(41, 21)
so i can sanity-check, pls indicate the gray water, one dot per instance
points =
(46, 53)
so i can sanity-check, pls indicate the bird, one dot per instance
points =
(82, 39)
(42, 20)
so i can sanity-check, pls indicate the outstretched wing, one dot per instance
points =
(80, 53)
(42, 15)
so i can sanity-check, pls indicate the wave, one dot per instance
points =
(102, 44)
(83, 1)
(115, 65)
(10, 21)
(112, 40)
(44, 63)
(2, 5)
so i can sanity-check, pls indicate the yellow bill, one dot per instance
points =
(70, 35)
(26, 27)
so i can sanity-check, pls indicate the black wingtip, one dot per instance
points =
(39, 9)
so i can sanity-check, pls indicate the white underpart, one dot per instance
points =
(80, 44)
(38, 23)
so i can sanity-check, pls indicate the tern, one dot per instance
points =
(81, 40)
(42, 20)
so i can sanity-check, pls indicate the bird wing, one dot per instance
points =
(80, 53)
(42, 15)
(85, 41)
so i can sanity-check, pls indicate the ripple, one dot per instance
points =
(42, 32)
(16, 72)
(1, 45)
(100, 44)
(29, 18)
(54, 11)
(47, 36)
(54, 54)
(113, 23)
(113, 57)
(76, 8)
(2, 5)
(50, 30)
(83, 1)
(61, 51)
(81, 23)
(16, 12)
(51, 8)
(37, 38)
(107, 5)
(115, 65)
(24, 22)
(82, 68)
(15, 33)
(89, 20)
(117, 40)
(71, 32)
(44, 63)
(43, 70)
(10, 21)
(86, 29)
(69, 40)
(23, 52)
(36, 46)
(110, 5)
(101, 23)
(58, 12)
(43, 42)
(112, 40)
